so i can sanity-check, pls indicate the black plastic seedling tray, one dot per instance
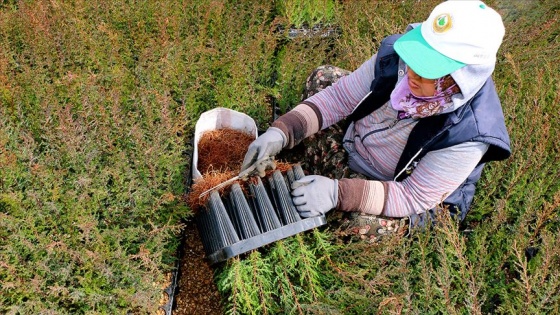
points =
(238, 223)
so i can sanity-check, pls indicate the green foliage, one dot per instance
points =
(284, 279)
(98, 101)
(309, 13)
(294, 67)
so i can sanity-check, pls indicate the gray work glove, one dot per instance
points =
(267, 145)
(314, 195)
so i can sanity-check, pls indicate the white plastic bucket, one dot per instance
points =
(220, 118)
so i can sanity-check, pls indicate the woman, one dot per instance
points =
(424, 119)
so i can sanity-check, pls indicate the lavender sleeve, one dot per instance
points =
(437, 175)
(328, 106)
(339, 100)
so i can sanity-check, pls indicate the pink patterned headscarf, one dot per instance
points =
(403, 100)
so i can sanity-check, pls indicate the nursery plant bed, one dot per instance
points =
(168, 294)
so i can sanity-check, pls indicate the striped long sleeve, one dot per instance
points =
(437, 175)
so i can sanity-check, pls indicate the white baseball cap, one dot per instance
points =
(457, 33)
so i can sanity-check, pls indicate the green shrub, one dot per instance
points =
(309, 13)
(97, 106)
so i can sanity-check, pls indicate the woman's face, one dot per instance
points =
(420, 86)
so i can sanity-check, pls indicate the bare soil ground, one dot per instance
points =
(197, 292)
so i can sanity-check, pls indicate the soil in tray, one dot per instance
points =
(220, 155)
(197, 292)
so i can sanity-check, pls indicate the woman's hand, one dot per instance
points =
(267, 145)
(314, 195)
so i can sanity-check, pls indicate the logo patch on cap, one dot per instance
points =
(442, 23)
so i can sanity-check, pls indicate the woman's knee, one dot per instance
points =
(322, 77)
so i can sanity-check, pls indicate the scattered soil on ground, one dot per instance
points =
(197, 293)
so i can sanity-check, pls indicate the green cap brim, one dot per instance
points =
(422, 58)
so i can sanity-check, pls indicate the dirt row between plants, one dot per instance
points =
(197, 293)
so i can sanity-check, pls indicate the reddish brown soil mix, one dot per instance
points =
(220, 155)
(209, 180)
(222, 150)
